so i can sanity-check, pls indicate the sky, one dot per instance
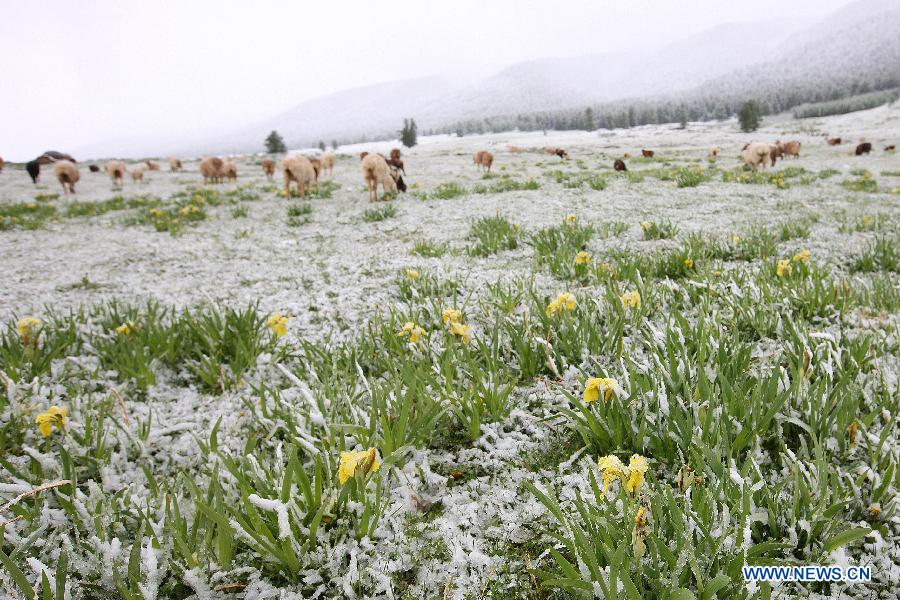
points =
(78, 74)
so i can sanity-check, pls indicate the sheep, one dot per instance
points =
(151, 165)
(833, 141)
(513, 149)
(211, 169)
(713, 153)
(67, 174)
(626, 155)
(776, 151)
(34, 170)
(755, 155)
(619, 165)
(328, 159)
(376, 171)
(297, 168)
(137, 173)
(647, 153)
(317, 167)
(890, 148)
(268, 167)
(483, 160)
(93, 168)
(116, 170)
(395, 160)
(175, 165)
(1, 163)
(863, 148)
(557, 151)
(47, 158)
(229, 170)
(791, 148)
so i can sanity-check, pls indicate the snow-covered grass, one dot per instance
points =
(268, 397)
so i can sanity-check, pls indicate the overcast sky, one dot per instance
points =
(74, 74)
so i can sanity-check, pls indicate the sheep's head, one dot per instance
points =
(398, 179)
(362, 155)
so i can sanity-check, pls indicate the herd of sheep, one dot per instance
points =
(377, 170)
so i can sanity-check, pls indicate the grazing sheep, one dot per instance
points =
(229, 170)
(791, 149)
(755, 155)
(47, 158)
(713, 153)
(137, 173)
(116, 170)
(376, 171)
(175, 165)
(34, 170)
(328, 159)
(67, 174)
(647, 153)
(316, 165)
(776, 151)
(93, 168)
(268, 166)
(483, 160)
(513, 149)
(297, 168)
(890, 148)
(1, 163)
(626, 155)
(152, 165)
(557, 151)
(619, 165)
(833, 141)
(211, 169)
(863, 148)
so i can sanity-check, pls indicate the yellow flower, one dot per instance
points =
(583, 258)
(412, 273)
(451, 315)
(127, 328)
(412, 331)
(631, 299)
(611, 468)
(55, 416)
(29, 329)
(637, 468)
(640, 519)
(357, 462)
(595, 385)
(462, 331)
(868, 219)
(784, 268)
(688, 263)
(875, 509)
(571, 218)
(735, 239)
(802, 256)
(278, 324)
(156, 213)
(646, 225)
(565, 301)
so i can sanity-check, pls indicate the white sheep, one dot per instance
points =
(67, 174)
(116, 170)
(297, 168)
(376, 171)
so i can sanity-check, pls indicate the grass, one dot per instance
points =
(490, 235)
(373, 215)
(661, 230)
(428, 249)
(298, 214)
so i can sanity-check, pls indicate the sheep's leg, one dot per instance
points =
(287, 185)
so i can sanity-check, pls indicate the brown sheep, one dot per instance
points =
(863, 148)
(116, 170)
(317, 167)
(297, 168)
(268, 166)
(791, 149)
(137, 173)
(619, 165)
(328, 159)
(647, 153)
(513, 149)
(626, 155)
(376, 171)
(890, 148)
(67, 174)
(833, 141)
(229, 170)
(776, 151)
(483, 160)
(755, 155)
(1, 163)
(211, 169)
(713, 153)
(152, 165)
(175, 165)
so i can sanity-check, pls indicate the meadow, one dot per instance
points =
(551, 381)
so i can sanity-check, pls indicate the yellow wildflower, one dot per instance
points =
(55, 416)
(583, 258)
(637, 468)
(565, 301)
(640, 519)
(462, 331)
(412, 273)
(735, 239)
(611, 468)
(451, 315)
(127, 328)
(868, 219)
(357, 462)
(278, 324)
(688, 263)
(156, 213)
(631, 299)
(875, 509)
(646, 225)
(595, 385)
(571, 218)
(29, 329)
(412, 331)
(784, 268)
(802, 256)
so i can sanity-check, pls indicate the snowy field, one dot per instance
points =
(737, 331)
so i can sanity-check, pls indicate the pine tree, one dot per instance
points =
(589, 123)
(321, 145)
(275, 143)
(409, 133)
(749, 116)
(334, 144)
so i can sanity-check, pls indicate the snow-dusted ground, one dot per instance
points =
(344, 267)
